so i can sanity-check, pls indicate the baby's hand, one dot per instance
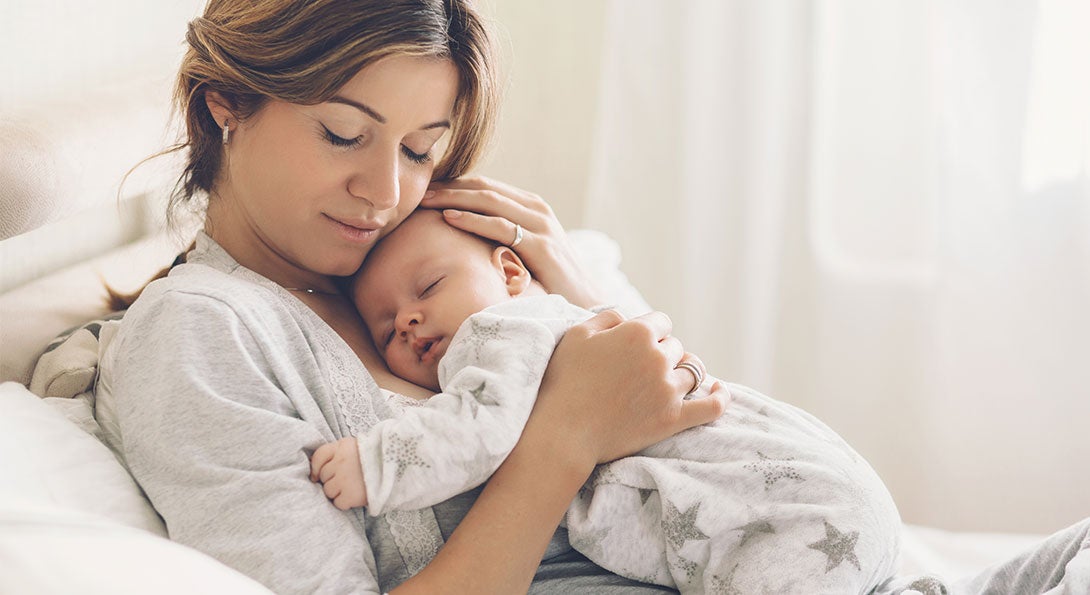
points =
(337, 466)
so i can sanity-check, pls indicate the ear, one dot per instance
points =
(220, 109)
(515, 274)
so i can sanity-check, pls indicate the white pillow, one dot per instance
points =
(36, 313)
(52, 457)
(55, 552)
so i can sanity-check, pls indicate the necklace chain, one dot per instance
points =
(311, 291)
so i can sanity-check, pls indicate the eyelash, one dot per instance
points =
(338, 141)
(430, 287)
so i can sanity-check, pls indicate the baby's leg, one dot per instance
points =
(763, 500)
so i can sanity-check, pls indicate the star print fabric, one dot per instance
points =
(490, 375)
(767, 499)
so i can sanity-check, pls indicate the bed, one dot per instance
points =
(71, 517)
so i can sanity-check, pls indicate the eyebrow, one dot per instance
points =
(379, 117)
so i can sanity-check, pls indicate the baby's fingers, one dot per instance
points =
(323, 455)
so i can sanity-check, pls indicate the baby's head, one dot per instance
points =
(421, 282)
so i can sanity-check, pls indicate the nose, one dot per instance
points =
(406, 319)
(376, 180)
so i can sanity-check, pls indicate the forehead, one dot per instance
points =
(422, 239)
(411, 89)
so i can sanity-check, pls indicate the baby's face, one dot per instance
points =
(417, 287)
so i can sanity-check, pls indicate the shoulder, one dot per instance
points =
(204, 306)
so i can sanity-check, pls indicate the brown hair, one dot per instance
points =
(303, 51)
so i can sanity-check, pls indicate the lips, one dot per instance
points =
(355, 230)
(428, 349)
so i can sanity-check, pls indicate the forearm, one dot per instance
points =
(498, 546)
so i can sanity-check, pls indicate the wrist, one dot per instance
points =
(568, 458)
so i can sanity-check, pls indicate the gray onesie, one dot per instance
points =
(765, 499)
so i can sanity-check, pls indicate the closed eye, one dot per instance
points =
(340, 141)
(389, 337)
(414, 156)
(430, 287)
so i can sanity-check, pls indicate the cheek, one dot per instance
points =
(413, 185)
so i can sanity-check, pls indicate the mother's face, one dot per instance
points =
(318, 185)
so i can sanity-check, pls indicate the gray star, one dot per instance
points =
(590, 544)
(754, 421)
(753, 529)
(679, 527)
(482, 333)
(837, 546)
(402, 452)
(686, 566)
(773, 469)
(928, 585)
(724, 585)
(482, 398)
(603, 474)
(474, 407)
(538, 353)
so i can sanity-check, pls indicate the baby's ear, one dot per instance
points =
(515, 274)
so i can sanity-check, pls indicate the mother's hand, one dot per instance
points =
(614, 387)
(492, 210)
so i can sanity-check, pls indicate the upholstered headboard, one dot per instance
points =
(85, 97)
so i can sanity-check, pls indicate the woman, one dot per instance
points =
(313, 129)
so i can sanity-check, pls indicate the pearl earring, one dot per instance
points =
(226, 132)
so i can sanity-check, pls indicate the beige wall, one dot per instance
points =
(551, 53)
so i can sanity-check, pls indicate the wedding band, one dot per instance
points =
(518, 236)
(698, 376)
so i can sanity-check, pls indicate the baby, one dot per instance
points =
(765, 499)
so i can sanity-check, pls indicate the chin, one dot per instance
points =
(340, 265)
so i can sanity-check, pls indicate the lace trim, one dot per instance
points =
(359, 398)
(416, 532)
(353, 387)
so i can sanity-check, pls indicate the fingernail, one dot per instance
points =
(451, 213)
(429, 194)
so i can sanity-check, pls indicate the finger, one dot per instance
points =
(486, 202)
(695, 412)
(323, 455)
(602, 321)
(526, 199)
(497, 229)
(331, 490)
(672, 349)
(659, 324)
(341, 502)
(327, 472)
(691, 358)
(689, 379)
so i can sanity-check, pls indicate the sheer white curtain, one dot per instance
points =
(878, 211)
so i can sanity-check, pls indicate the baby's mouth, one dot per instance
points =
(426, 348)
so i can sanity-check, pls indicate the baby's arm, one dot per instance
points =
(337, 466)
(490, 376)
